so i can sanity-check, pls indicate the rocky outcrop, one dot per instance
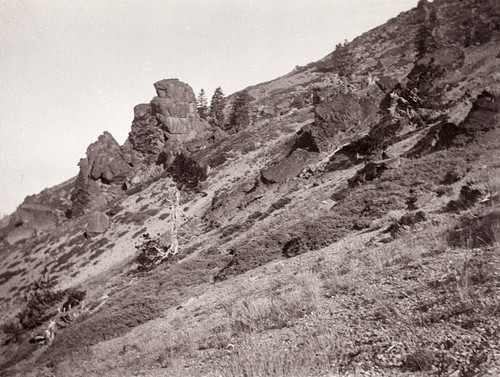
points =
(336, 119)
(169, 124)
(107, 161)
(287, 168)
(35, 216)
(484, 115)
(166, 127)
(26, 221)
(106, 168)
(19, 234)
(439, 137)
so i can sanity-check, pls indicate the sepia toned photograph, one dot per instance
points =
(250, 188)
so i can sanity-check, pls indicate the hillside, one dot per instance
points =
(353, 228)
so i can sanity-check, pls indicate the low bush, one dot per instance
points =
(74, 297)
(467, 198)
(151, 253)
(12, 331)
(476, 232)
(40, 300)
(406, 221)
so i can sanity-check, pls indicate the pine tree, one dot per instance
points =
(202, 105)
(343, 60)
(424, 41)
(217, 104)
(240, 112)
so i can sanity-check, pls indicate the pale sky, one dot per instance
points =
(71, 69)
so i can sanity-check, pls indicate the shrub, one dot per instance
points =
(12, 330)
(406, 221)
(186, 172)
(41, 298)
(114, 210)
(467, 198)
(151, 253)
(74, 297)
(476, 232)
(295, 247)
(281, 203)
(343, 60)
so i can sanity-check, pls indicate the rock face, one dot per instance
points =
(102, 173)
(27, 220)
(335, 119)
(484, 115)
(287, 168)
(106, 161)
(168, 124)
(36, 216)
(18, 234)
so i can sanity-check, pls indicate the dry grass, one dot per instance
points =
(277, 308)
(320, 351)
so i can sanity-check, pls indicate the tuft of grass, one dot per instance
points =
(277, 309)
(319, 351)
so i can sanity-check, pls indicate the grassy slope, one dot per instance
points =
(417, 304)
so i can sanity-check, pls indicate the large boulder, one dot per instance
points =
(19, 234)
(36, 216)
(26, 221)
(287, 168)
(335, 120)
(175, 89)
(98, 222)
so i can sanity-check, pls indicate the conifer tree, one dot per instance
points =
(343, 59)
(202, 105)
(240, 112)
(424, 41)
(217, 104)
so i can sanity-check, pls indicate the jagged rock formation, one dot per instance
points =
(169, 124)
(102, 173)
(166, 127)
(106, 161)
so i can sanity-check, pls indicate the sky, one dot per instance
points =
(72, 69)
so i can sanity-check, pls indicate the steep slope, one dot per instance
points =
(361, 207)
